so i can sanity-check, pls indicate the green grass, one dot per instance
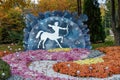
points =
(4, 47)
(105, 44)
(109, 41)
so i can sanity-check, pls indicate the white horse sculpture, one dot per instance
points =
(52, 36)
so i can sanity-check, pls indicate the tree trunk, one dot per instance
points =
(116, 28)
(79, 7)
(117, 39)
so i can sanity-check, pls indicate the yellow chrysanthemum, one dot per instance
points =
(89, 61)
(59, 49)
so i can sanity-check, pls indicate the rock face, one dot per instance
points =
(56, 30)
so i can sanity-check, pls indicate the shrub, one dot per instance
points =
(11, 29)
(4, 70)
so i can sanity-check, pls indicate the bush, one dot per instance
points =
(107, 31)
(11, 29)
(4, 70)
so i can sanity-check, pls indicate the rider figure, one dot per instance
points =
(56, 28)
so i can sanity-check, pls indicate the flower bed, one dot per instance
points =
(109, 50)
(60, 50)
(4, 53)
(89, 61)
(19, 61)
(110, 66)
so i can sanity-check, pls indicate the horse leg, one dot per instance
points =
(61, 39)
(43, 43)
(58, 44)
(39, 44)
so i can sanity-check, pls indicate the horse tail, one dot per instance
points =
(38, 34)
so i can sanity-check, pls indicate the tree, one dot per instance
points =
(72, 5)
(116, 20)
(50, 5)
(7, 4)
(97, 33)
(79, 6)
(11, 27)
(108, 17)
(22, 4)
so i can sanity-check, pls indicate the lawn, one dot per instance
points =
(11, 47)
(105, 44)
(109, 41)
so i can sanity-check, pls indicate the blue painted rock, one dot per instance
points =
(56, 30)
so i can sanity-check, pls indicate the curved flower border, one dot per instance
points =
(110, 66)
(19, 61)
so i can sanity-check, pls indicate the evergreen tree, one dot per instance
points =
(108, 14)
(97, 33)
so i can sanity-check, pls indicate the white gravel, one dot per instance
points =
(45, 67)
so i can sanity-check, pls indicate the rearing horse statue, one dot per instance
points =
(52, 36)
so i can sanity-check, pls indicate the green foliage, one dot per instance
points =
(109, 41)
(8, 4)
(4, 36)
(15, 37)
(107, 18)
(0, 34)
(11, 29)
(97, 33)
(107, 31)
(4, 70)
(105, 44)
(72, 5)
(4, 47)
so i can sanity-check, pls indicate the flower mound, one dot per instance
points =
(19, 62)
(110, 66)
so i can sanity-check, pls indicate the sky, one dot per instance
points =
(101, 1)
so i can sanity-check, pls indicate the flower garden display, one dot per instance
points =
(52, 30)
(67, 62)
(58, 42)
(107, 65)
(4, 70)
(19, 62)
